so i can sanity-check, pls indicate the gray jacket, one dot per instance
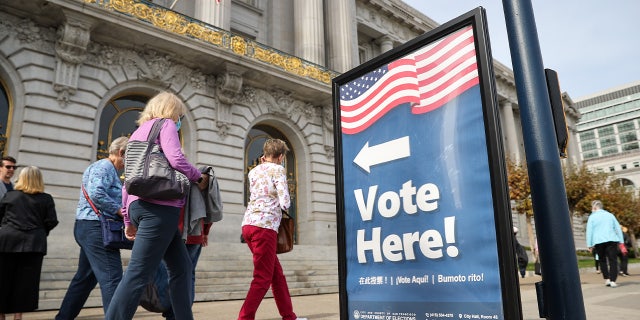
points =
(206, 204)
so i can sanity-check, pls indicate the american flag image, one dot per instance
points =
(427, 79)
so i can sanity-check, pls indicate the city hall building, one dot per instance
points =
(74, 74)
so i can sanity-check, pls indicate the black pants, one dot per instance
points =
(608, 254)
(19, 281)
(624, 262)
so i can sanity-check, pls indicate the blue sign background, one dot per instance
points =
(448, 149)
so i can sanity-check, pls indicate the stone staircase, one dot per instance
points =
(224, 272)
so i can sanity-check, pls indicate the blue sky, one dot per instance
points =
(593, 45)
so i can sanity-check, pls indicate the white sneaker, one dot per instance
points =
(612, 284)
(607, 282)
(301, 318)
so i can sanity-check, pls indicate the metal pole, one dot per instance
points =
(561, 281)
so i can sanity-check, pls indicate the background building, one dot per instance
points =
(75, 73)
(609, 131)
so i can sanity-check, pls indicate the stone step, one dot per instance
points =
(224, 272)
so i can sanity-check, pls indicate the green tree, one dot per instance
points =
(624, 204)
(583, 186)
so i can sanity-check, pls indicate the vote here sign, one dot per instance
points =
(422, 206)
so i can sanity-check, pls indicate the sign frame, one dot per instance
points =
(509, 282)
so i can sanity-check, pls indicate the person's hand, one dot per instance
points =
(623, 249)
(130, 232)
(205, 240)
(202, 185)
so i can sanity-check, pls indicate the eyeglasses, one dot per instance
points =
(11, 167)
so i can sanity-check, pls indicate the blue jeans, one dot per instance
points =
(96, 264)
(194, 253)
(157, 239)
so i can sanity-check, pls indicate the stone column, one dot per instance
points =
(342, 34)
(509, 129)
(309, 30)
(216, 13)
(573, 152)
(386, 43)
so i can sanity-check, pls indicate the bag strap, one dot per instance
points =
(93, 206)
(155, 131)
(284, 213)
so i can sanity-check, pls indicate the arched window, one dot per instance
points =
(118, 119)
(253, 150)
(5, 115)
(624, 182)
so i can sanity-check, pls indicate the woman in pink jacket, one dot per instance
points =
(153, 223)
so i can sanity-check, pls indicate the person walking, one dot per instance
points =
(27, 215)
(153, 223)
(522, 259)
(7, 169)
(623, 252)
(96, 264)
(269, 196)
(603, 235)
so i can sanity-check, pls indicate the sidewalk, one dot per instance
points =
(601, 302)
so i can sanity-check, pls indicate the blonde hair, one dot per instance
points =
(163, 105)
(274, 147)
(30, 180)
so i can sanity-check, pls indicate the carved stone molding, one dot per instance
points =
(198, 80)
(280, 103)
(71, 48)
(154, 67)
(329, 152)
(327, 130)
(28, 32)
(386, 21)
(228, 85)
(307, 110)
(283, 103)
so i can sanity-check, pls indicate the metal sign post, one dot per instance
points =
(561, 281)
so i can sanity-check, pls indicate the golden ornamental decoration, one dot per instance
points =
(239, 45)
(276, 60)
(260, 54)
(177, 23)
(293, 65)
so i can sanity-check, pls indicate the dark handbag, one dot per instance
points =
(112, 230)
(537, 268)
(285, 234)
(155, 296)
(148, 173)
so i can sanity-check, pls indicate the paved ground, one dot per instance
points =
(601, 302)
